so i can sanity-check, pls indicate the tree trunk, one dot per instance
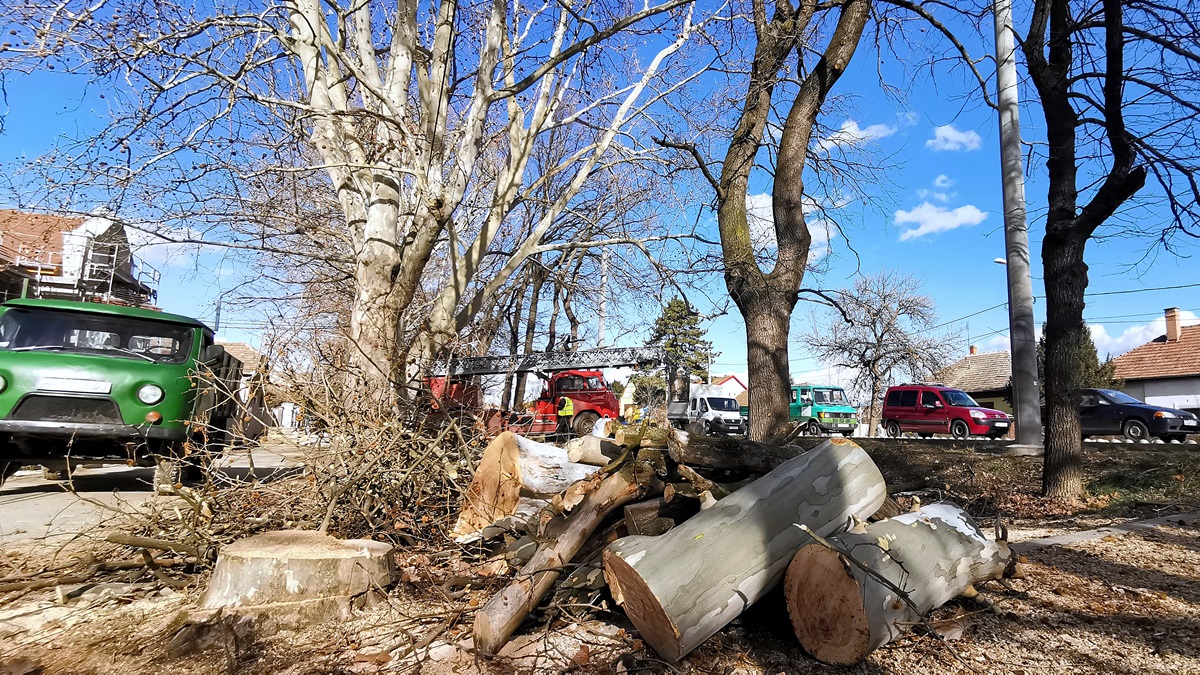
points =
(560, 543)
(768, 321)
(842, 613)
(539, 278)
(727, 452)
(1066, 280)
(680, 588)
(374, 316)
(512, 464)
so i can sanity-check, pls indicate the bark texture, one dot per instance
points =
(680, 588)
(841, 613)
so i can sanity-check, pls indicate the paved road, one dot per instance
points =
(39, 512)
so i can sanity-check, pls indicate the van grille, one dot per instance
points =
(840, 415)
(68, 409)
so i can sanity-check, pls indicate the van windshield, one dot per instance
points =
(959, 398)
(24, 329)
(723, 404)
(829, 396)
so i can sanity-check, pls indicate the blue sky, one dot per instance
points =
(939, 219)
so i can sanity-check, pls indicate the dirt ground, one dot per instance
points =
(1120, 602)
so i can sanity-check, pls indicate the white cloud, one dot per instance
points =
(942, 197)
(931, 218)
(948, 138)
(850, 134)
(158, 250)
(1134, 336)
(943, 182)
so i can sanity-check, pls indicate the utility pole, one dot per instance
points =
(1026, 402)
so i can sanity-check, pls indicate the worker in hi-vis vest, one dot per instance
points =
(566, 409)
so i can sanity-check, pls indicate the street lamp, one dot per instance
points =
(1000, 261)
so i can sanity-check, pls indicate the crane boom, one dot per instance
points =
(608, 357)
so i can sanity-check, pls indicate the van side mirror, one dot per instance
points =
(213, 353)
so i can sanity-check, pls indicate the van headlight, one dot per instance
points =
(150, 394)
(3, 383)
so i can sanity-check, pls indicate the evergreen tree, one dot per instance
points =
(677, 331)
(1092, 373)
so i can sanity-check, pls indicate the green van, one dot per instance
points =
(822, 409)
(83, 381)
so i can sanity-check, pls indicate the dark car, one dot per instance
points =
(1107, 412)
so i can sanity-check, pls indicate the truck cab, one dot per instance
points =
(708, 406)
(590, 396)
(99, 382)
(822, 409)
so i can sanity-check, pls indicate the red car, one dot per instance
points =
(933, 409)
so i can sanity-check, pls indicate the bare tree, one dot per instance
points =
(886, 332)
(1118, 84)
(423, 120)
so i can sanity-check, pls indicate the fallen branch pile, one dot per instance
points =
(691, 530)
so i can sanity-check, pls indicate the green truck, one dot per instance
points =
(91, 382)
(822, 409)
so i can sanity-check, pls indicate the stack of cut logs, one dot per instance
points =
(693, 529)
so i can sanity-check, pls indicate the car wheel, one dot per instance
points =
(893, 429)
(584, 423)
(959, 429)
(847, 434)
(1135, 430)
(812, 429)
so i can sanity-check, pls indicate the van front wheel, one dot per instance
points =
(959, 429)
(893, 429)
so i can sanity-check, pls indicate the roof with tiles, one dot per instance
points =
(249, 356)
(36, 230)
(989, 371)
(1160, 358)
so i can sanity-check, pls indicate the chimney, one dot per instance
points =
(974, 350)
(1173, 329)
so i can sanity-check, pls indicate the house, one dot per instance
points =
(1166, 370)
(255, 416)
(987, 377)
(731, 386)
(67, 258)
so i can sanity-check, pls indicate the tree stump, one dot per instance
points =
(297, 577)
(680, 588)
(841, 613)
(513, 465)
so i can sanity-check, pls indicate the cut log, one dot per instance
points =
(645, 518)
(515, 475)
(560, 542)
(592, 450)
(680, 588)
(727, 452)
(917, 561)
